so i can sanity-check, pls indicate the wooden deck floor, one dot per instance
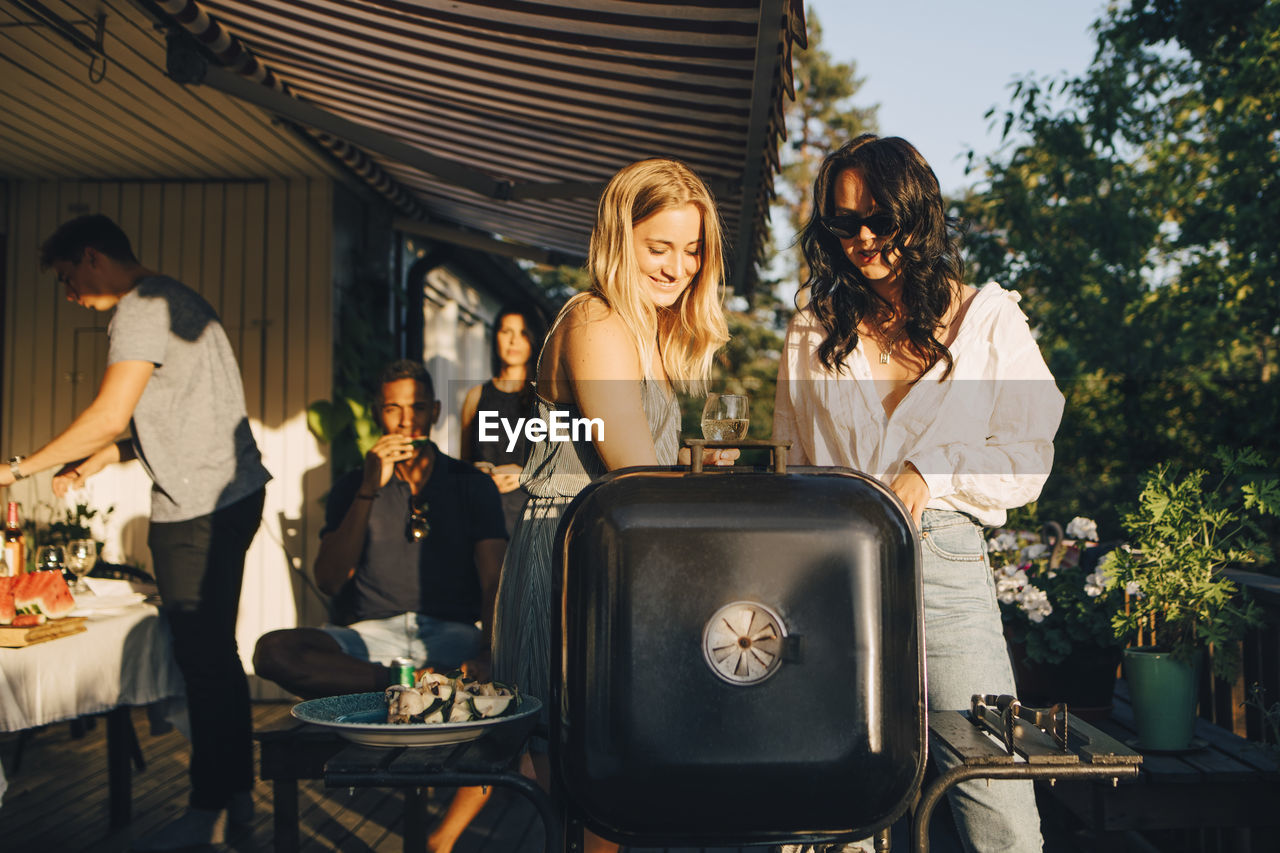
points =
(59, 796)
(57, 800)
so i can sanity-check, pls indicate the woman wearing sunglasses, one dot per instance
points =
(898, 369)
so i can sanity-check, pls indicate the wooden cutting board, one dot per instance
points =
(11, 637)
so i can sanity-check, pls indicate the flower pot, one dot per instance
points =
(1163, 691)
(1085, 680)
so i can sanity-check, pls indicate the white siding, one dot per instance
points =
(456, 326)
(259, 251)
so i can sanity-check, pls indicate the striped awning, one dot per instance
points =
(504, 118)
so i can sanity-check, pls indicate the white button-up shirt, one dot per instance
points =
(982, 438)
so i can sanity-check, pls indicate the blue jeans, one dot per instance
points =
(427, 640)
(965, 654)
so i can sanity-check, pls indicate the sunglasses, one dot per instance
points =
(418, 526)
(848, 226)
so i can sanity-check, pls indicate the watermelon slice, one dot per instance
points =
(43, 592)
(7, 610)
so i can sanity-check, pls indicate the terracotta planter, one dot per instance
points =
(1086, 680)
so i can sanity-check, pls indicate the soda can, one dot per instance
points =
(403, 668)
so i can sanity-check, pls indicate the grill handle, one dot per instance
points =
(777, 449)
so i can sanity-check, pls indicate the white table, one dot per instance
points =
(122, 659)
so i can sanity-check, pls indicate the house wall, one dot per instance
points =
(261, 253)
(457, 321)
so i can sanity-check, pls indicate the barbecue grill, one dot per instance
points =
(741, 656)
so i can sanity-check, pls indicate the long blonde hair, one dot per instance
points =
(688, 333)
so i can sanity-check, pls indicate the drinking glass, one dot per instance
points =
(50, 558)
(81, 555)
(725, 417)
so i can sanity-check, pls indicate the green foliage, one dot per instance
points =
(822, 117)
(1268, 714)
(1135, 209)
(1048, 602)
(73, 521)
(561, 282)
(747, 365)
(347, 423)
(1183, 533)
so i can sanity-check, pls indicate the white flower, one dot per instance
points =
(1006, 591)
(1132, 588)
(1095, 584)
(1035, 603)
(1083, 528)
(1006, 541)
(1032, 552)
(1011, 569)
(1051, 574)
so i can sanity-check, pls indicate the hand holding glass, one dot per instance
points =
(81, 555)
(726, 417)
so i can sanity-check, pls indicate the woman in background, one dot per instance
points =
(517, 340)
(938, 389)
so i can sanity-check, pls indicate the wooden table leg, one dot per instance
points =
(119, 772)
(284, 815)
(415, 820)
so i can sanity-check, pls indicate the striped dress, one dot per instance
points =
(555, 473)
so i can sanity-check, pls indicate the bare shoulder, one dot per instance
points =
(598, 343)
(471, 402)
(588, 312)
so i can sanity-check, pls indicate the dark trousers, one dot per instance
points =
(199, 564)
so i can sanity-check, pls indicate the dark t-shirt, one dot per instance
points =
(462, 508)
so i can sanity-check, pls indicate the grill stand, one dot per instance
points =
(1087, 755)
(483, 762)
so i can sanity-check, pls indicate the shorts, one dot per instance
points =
(428, 641)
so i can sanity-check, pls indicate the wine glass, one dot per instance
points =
(725, 417)
(81, 555)
(50, 558)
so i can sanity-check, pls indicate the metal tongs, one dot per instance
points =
(998, 715)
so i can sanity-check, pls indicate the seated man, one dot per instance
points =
(412, 548)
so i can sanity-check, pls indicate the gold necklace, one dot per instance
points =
(886, 352)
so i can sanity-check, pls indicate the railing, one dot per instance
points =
(1226, 704)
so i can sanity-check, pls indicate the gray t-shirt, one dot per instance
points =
(190, 427)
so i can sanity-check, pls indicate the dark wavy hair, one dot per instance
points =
(536, 327)
(930, 265)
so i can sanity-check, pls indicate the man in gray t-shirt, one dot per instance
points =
(172, 377)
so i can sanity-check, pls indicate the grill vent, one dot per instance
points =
(743, 642)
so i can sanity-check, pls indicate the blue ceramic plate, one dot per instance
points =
(362, 718)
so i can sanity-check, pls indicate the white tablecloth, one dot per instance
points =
(122, 658)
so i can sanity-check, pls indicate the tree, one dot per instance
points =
(1134, 207)
(821, 118)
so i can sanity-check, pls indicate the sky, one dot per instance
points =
(935, 67)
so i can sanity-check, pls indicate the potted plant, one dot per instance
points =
(1057, 609)
(1183, 532)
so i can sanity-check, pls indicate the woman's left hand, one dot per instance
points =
(506, 477)
(711, 456)
(914, 492)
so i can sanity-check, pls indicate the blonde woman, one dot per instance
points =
(651, 322)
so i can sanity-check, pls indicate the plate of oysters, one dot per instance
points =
(439, 709)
